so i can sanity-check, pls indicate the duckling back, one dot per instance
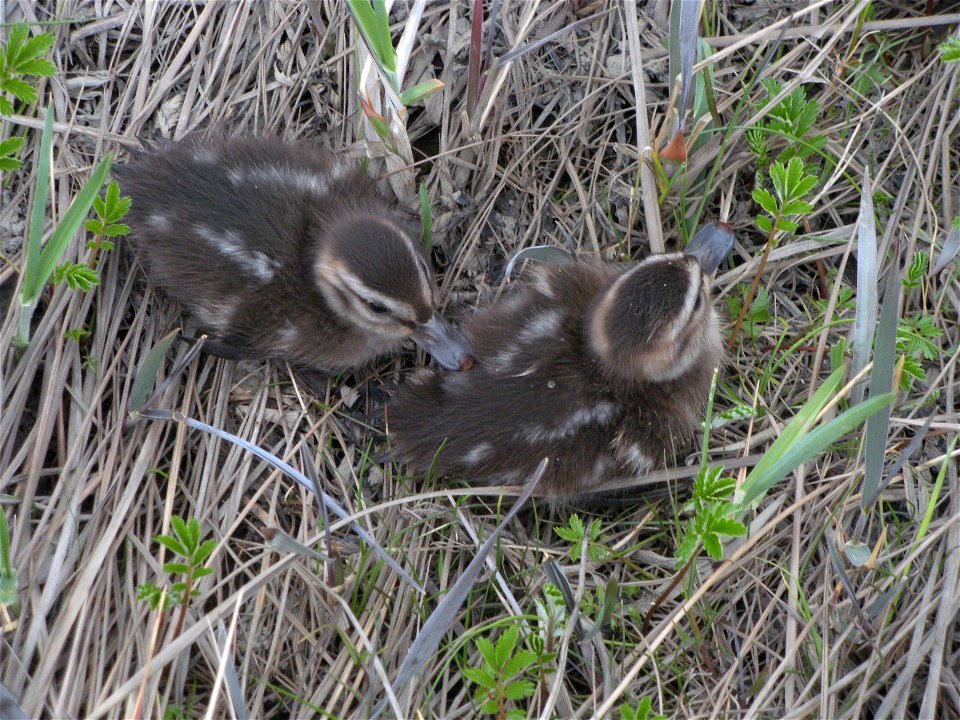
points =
(539, 388)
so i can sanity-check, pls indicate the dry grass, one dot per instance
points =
(767, 633)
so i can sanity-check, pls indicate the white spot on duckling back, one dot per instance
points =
(231, 245)
(204, 155)
(600, 414)
(159, 221)
(305, 181)
(542, 325)
(478, 453)
(289, 336)
(635, 458)
(214, 316)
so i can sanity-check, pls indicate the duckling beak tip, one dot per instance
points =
(444, 343)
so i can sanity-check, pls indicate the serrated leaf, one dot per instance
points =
(201, 572)
(713, 547)
(176, 567)
(728, 527)
(172, 544)
(487, 652)
(518, 663)
(116, 230)
(518, 690)
(19, 89)
(787, 225)
(203, 552)
(505, 645)
(37, 67)
(11, 145)
(765, 199)
(479, 677)
(763, 222)
(796, 207)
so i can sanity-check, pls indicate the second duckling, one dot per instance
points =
(285, 251)
(604, 369)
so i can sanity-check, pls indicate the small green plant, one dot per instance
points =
(792, 119)
(184, 544)
(22, 57)
(552, 616)
(574, 533)
(714, 516)
(950, 49)
(916, 271)
(784, 208)
(757, 315)
(915, 342)
(501, 678)
(640, 712)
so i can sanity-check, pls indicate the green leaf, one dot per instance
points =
(713, 547)
(6, 108)
(764, 199)
(763, 222)
(19, 89)
(426, 217)
(203, 552)
(949, 50)
(172, 544)
(11, 145)
(176, 567)
(518, 690)
(199, 572)
(38, 67)
(728, 527)
(787, 225)
(796, 207)
(487, 652)
(518, 663)
(506, 644)
(146, 377)
(420, 91)
(480, 677)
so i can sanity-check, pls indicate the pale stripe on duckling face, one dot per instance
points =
(231, 245)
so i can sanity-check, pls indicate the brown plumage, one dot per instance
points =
(604, 369)
(284, 251)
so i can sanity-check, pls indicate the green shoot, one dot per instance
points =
(501, 677)
(757, 315)
(792, 120)
(575, 533)
(950, 49)
(8, 576)
(641, 712)
(184, 544)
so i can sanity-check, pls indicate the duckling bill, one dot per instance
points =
(603, 369)
(286, 252)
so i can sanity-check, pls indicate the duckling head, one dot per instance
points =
(373, 275)
(656, 321)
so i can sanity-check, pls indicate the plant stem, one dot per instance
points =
(184, 602)
(748, 300)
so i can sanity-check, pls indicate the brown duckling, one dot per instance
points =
(604, 369)
(285, 251)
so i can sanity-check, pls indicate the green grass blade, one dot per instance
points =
(426, 217)
(865, 319)
(798, 426)
(881, 381)
(38, 212)
(37, 276)
(146, 377)
(808, 447)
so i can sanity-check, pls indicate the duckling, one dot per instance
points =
(284, 251)
(604, 369)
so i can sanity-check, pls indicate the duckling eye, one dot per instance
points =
(376, 307)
